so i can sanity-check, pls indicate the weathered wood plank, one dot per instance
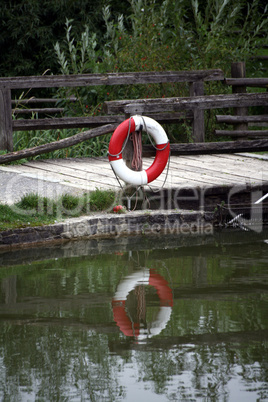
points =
(178, 104)
(42, 100)
(65, 122)
(198, 124)
(251, 157)
(238, 168)
(68, 174)
(45, 110)
(194, 170)
(241, 119)
(92, 121)
(248, 82)
(242, 133)
(238, 70)
(6, 135)
(52, 81)
(81, 169)
(213, 147)
(34, 170)
(223, 161)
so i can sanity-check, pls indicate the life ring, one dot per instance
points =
(146, 277)
(152, 127)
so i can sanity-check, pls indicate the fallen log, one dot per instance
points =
(53, 146)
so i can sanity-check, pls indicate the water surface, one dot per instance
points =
(152, 319)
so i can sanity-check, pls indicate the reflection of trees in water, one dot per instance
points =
(203, 371)
(56, 364)
(217, 331)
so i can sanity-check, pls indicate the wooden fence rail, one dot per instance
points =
(188, 103)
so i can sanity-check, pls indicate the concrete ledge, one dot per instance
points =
(109, 225)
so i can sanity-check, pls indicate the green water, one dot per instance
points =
(182, 318)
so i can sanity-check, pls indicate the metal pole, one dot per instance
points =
(261, 199)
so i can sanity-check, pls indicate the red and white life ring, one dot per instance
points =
(152, 127)
(145, 277)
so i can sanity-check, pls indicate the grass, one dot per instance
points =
(10, 219)
(33, 210)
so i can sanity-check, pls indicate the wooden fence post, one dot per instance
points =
(238, 70)
(198, 125)
(6, 134)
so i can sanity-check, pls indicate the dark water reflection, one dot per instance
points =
(180, 318)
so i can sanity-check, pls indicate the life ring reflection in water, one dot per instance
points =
(122, 319)
(153, 128)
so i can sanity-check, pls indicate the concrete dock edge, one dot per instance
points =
(109, 225)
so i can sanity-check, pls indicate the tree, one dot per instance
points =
(29, 30)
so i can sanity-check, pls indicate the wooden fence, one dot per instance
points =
(164, 110)
(240, 120)
(7, 125)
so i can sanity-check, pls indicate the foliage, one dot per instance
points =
(10, 218)
(149, 35)
(171, 35)
(30, 28)
(198, 33)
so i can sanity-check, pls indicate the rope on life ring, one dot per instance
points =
(153, 128)
(146, 277)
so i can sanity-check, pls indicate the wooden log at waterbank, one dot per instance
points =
(213, 147)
